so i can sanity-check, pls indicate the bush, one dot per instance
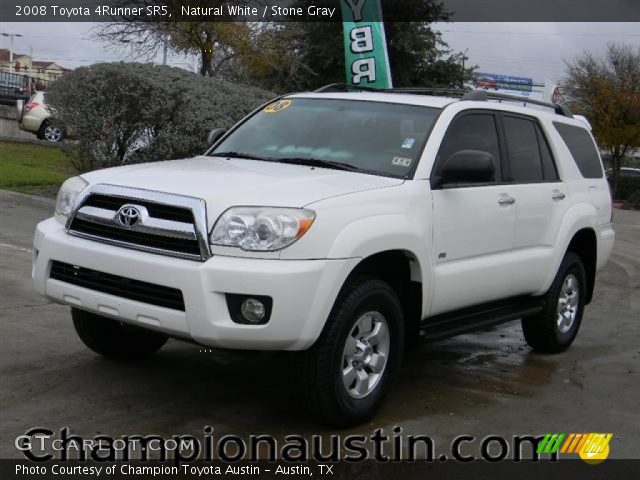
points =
(627, 186)
(633, 202)
(124, 113)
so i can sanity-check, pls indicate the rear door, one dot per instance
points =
(541, 199)
(473, 225)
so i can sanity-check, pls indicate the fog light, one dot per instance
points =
(249, 309)
(253, 310)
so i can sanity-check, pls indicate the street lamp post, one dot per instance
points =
(11, 35)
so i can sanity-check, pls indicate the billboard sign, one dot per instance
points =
(505, 83)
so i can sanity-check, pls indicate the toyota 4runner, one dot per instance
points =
(342, 225)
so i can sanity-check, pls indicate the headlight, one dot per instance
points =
(67, 196)
(261, 228)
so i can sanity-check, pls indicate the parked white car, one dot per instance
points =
(34, 116)
(342, 225)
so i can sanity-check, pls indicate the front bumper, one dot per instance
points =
(303, 291)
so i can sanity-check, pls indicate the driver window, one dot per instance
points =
(473, 131)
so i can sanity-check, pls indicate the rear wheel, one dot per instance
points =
(114, 339)
(555, 328)
(51, 131)
(349, 370)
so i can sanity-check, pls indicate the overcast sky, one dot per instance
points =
(535, 50)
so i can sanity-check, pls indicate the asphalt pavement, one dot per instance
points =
(479, 384)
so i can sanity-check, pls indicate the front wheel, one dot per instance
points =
(349, 370)
(554, 329)
(113, 339)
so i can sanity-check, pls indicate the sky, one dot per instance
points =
(533, 50)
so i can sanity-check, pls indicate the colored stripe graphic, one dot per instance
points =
(550, 443)
(586, 443)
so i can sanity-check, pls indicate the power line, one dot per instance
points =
(546, 34)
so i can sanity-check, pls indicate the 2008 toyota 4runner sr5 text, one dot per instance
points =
(342, 225)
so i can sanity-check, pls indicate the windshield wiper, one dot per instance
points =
(248, 156)
(317, 162)
(311, 162)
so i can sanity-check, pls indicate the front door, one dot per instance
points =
(473, 228)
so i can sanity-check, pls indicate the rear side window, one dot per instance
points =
(582, 149)
(523, 150)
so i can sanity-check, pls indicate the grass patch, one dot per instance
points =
(33, 169)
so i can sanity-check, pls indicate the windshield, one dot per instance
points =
(372, 137)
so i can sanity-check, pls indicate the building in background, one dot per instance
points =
(23, 64)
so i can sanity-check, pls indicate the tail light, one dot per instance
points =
(30, 106)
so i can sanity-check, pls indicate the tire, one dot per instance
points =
(551, 331)
(114, 339)
(51, 131)
(366, 308)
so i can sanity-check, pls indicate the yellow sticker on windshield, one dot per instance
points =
(278, 106)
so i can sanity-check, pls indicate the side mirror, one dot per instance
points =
(215, 135)
(468, 166)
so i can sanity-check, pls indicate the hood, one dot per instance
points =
(224, 183)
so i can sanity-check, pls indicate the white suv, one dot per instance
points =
(342, 225)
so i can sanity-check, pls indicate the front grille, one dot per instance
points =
(131, 237)
(118, 286)
(161, 228)
(156, 210)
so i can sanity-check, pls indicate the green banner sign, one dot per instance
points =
(365, 45)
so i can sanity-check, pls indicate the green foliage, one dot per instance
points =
(24, 166)
(131, 112)
(311, 54)
(627, 186)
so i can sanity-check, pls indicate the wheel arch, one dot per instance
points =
(402, 270)
(584, 243)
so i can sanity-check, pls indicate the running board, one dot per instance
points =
(478, 317)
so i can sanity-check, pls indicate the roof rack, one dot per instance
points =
(345, 87)
(474, 95)
(484, 95)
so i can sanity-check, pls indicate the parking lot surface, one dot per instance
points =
(478, 384)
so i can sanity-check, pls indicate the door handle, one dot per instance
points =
(557, 195)
(505, 199)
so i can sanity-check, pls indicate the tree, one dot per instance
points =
(607, 91)
(132, 112)
(290, 56)
(313, 53)
(215, 43)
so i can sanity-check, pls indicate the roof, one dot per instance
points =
(41, 63)
(405, 98)
(5, 55)
(441, 98)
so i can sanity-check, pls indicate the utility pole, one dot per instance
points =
(11, 35)
(165, 46)
(464, 57)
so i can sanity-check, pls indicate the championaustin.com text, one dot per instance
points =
(45, 445)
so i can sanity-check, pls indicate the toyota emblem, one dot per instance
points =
(128, 216)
